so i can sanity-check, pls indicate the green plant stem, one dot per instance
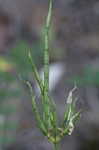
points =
(46, 65)
(56, 146)
(46, 49)
(35, 73)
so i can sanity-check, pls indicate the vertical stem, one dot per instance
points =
(56, 146)
(46, 65)
(46, 49)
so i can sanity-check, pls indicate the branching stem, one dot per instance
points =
(47, 120)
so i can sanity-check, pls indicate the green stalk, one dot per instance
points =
(46, 64)
(35, 73)
(46, 49)
(56, 146)
(40, 122)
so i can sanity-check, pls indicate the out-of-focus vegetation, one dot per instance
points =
(12, 66)
(89, 77)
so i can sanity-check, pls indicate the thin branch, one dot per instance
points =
(35, 73)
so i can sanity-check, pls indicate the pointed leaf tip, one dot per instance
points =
(70, 96)
(29, 54)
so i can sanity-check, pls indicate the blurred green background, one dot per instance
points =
(74, 42)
